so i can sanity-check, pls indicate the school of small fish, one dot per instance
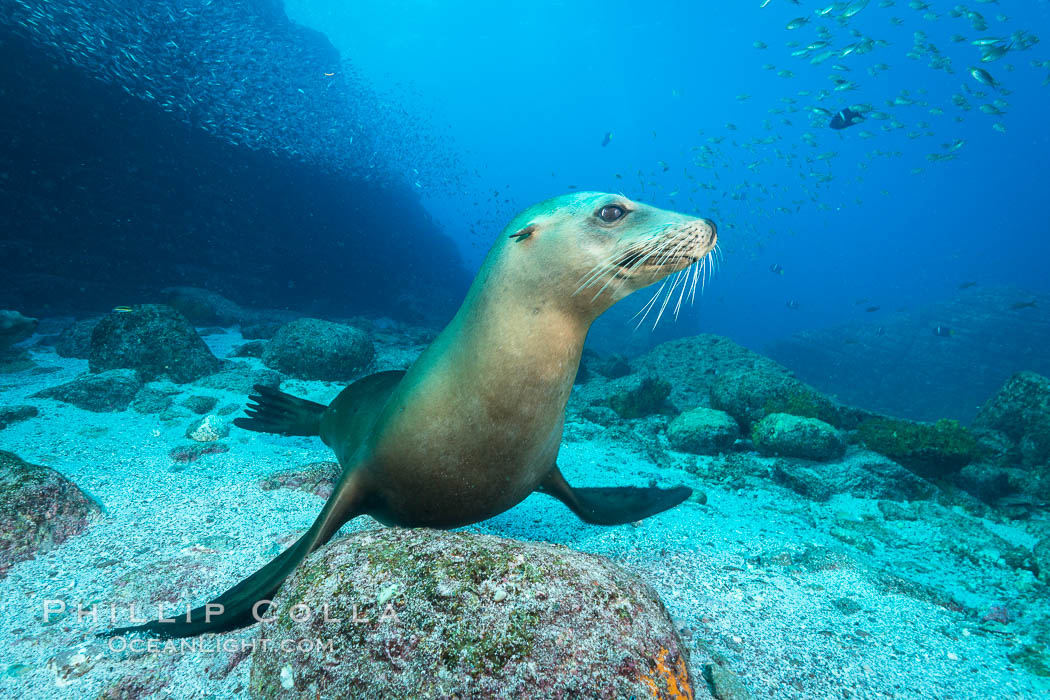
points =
(228, 67)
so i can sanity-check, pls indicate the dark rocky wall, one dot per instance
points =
(902, 367)
(105, 198)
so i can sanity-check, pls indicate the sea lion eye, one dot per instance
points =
(611, 213)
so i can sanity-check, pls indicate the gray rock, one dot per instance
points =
(154, 398)
(154, 340)
(104, 392)
(200, 404)
(39, 509)
(9, 415)
(1021, 410)
(488, 618)
(310, 348)
(1041, 555)
(204, 307)
(75, 339)
(261, 331)
(693, 365)
(862, 474)
(637, 396)
(254, 348)
(239, 377)
(785, 435)
(706, 431)
(751, 394)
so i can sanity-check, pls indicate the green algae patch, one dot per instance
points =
(931, 450)
(649, 397)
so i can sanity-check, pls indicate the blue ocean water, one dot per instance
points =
(529, 89)
(830, 472)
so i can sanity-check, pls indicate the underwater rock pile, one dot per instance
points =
(39, 510)
(901, 367)
(467, 615)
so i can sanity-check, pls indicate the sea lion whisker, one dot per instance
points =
(648, 306)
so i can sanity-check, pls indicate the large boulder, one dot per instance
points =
(153, 340)
(785, 435)
(75, 339)
(310, 348)
(930, 450)
(1021, 410)
(105, 392)
(749, 395)
(705, 431)
(456, 614)
(39, 509)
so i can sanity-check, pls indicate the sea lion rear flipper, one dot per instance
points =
(238, 604)
(277, 412)
(612, 505)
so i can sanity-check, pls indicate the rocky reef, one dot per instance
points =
(901, 367)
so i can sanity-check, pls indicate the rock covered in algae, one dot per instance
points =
(930, 450)
(1021, 410)
(310, 348)
(785, 435)
(39, 509)
(749, 395)
(705, 431)
(153, 340)
(456, 614)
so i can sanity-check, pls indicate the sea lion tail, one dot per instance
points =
(274, 411)
(250, 600)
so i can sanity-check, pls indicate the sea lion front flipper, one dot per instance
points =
(612, 505)
(237, 607)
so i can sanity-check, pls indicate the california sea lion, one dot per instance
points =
(474, 425)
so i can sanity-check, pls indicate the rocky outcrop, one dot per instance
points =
(900, 366)
(464, 615)
(152, 339)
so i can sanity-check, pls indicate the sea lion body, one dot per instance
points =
(474, 425)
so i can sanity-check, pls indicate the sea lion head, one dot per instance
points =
(587, 250)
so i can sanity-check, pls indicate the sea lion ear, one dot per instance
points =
(524, 233)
